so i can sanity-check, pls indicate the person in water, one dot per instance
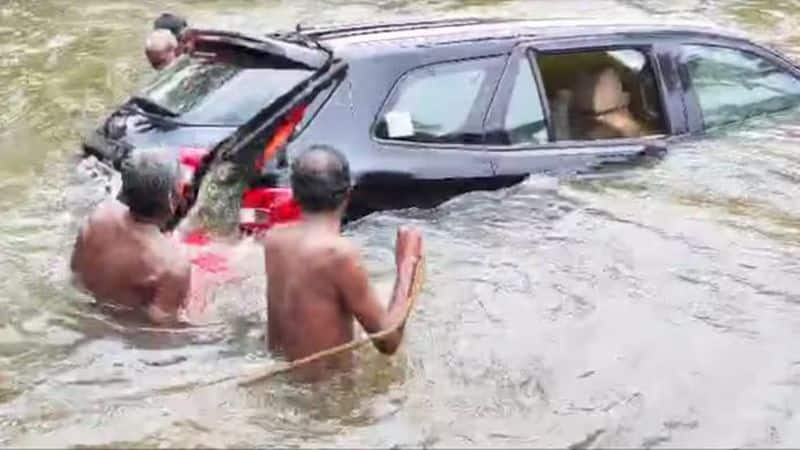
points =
(173, 23)
(122, 256)
(316, 281)
(161, 48)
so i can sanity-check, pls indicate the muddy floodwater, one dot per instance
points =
(654, 306)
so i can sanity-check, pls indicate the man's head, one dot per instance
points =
(161, 48)
(172, 23)
(321, 180)
(600, 92)
(150, 180)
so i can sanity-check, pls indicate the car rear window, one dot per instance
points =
(209, 92)
(441, 103)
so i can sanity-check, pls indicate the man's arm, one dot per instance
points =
(172, 293)
(360, 298)
(77, 250)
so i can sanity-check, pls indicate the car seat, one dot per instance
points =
(600, 107)
(559, 111)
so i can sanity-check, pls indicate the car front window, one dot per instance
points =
(732, 85)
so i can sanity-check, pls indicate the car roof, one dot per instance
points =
(464, 30)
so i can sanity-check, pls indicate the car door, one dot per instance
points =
(523, 127)
(729, 82)
(428, 136)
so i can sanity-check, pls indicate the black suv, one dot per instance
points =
(427, 110)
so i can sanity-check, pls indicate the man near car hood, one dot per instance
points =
(121, 255)
(173, 23)
(161, 48)
(317, 283)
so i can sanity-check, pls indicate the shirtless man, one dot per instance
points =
(604, 107)
(161, 48)
(121, 255)
(316, 281)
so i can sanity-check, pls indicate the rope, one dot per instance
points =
(263, 373)
(416, 287)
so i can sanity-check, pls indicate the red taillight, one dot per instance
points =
(261, 207)
(281, 136)
(264, 207)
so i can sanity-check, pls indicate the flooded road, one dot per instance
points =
(658, 306)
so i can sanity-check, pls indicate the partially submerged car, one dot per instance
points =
(428, 110)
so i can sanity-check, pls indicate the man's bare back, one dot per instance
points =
(130, 264)
(121, 256)
(305, 311)
(316, 283)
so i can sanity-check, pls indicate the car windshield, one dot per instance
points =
(208, 92)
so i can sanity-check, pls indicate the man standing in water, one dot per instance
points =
(121, 254)
(161, 48)
(316, 281)
(172, 23)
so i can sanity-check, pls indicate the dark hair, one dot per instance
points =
(168, 21)
(149, 181)
(320, 179)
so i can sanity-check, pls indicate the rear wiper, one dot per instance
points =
(152, 107)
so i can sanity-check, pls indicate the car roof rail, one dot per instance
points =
(326, 32)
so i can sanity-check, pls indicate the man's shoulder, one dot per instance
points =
(322, 248)
(339, 251)
(101, 222)
(110, 210)
(275, 236)
(345, 247)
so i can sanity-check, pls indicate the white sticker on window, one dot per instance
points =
(398, 124)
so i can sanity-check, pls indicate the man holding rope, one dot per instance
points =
(317, 284)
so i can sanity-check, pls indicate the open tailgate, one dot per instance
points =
(292, 54)
(244, 148)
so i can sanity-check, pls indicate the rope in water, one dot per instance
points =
(264, 373)
(416, 287)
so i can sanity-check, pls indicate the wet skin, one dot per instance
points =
(128, 263)
(317, 286)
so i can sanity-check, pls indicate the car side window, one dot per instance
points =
(602, 94)
(442, 103)
(731, 85)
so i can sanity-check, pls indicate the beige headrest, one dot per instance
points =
(600, 92)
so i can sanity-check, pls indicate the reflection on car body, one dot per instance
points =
(428, 110)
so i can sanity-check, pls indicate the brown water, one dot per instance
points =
(657, 306)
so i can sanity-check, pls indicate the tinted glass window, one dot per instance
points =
(602, 94)
(218, 93)
(732, 85)
(524, 120)
(439, 103)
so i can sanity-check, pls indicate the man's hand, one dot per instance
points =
(160, 317)
(408, 246)
(362, 301)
